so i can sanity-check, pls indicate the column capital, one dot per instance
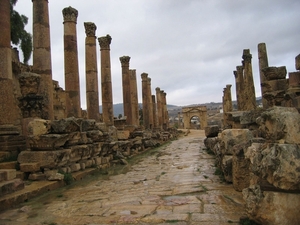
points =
(105, 42)
(125, 60)
(90, 29)
(157, 89)
(144, 76)
(70, 14)
(239, 69)
(246, 55)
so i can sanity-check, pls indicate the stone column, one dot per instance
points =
(42, 55)
(263, 63)
(126, 89)
(145, 100)
(8, 108)
(134, 98)
(150, 105)
(162, 108)
(250, 100)
(154, 112)
(165, 111)
(238, 74)
(159, 108)
(106, 86)
(71, 62)
(92, 94)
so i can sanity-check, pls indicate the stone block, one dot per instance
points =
(275, 85)
(8, 165)
(75, 167)
(38, 127)
(82, 166)
(297, 63)
(294, 79)
(30, 167)
(102, 127)
(226, 166)
(280, 124)
(67, 125)
(7, 187)
(88, 163)
(48, 141)
(274, 73)
(56, 177)
(88, 125)
(96, 135)
(98, 160)
(37, 176)
(8, 174)
(212, 131)
(249, 117)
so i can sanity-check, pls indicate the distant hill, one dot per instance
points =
(118, 108)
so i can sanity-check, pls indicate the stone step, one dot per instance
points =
(7, 174)
(8, 165)
(10, 186)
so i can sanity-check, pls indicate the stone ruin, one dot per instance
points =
(44, 133)
(258, 151)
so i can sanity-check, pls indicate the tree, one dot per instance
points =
(19, 36)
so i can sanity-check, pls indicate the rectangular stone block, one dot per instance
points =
(123, 134)
(212, 131)
(75, 167)
(8, 165)
(30, 167)
(38, 127)
(11, 186)
(37, 176)
(297, 59)
(8, 174)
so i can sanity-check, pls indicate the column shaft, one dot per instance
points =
(154, 112)
(42, 55)
(159, 108)
(71, 62)
(92, 93)
(106, 84)
(145, 100)
(134, 98)
(126, 89)
(263, 63)
(150, 105)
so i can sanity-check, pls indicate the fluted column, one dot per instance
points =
(145, 100)
(150, 105)
(126, 89)
(159, 108)
(263, 63)
(7, 103)
(92, 94)
(42, 55)
(238, 74)
(106, 84)
(250, 99)
(134, 98)
(71, 61)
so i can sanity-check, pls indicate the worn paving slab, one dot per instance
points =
(176, 185)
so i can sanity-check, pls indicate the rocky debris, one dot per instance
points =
(212, 131)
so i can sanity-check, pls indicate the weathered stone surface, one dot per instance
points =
(48, 159)
(67, 125)
(249, 117)
(226, 166)
(30, 167)
(280, 124)
(279, 164)
(8, 174)
(274, 208)
(274, 73)
(123, 134)
(212, 131)
(96, 135)
(56, 176)
(37, 176)
(275, 85)
(297, 62)
(47, 141)
(8, 165)
(11, 186)
(231, 137)
(39, 127)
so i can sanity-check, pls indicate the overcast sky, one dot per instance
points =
(189, 48)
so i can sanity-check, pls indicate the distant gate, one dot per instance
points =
(189, 112)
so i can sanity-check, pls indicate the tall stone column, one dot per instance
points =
(92, 94)
(71, 61)
(150, 105)
(250, 100)
(162, 108)
(239, 80)
(126, 89)
(154, 112)
(165, 111)
(159, 108)
(106, 86)
(145, 99)
(134, 98)
(8, 109)
(42, 55)
(263, 63)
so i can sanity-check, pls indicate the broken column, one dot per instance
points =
(134, 98)
(293, 92)
(126, 89)
(165, 117)
(150, 105)
(249, 91)
(263, 63)
(227, 105)
(239, 80)
(159, 108)
(92, 94)
(106, 86)
(71, 62)
(42, 55)
(145, 99)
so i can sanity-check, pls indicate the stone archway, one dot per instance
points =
(196, 111)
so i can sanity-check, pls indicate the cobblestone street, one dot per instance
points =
(174, 185)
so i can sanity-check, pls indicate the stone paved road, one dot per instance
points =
(176, 185)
